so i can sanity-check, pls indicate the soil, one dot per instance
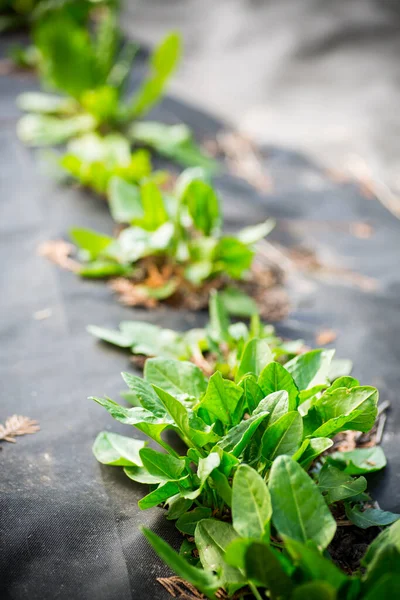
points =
(350, 542)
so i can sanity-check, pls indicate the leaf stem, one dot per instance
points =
(255, 591)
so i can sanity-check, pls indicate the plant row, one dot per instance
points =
(262, 490)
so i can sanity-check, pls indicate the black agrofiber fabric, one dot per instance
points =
(69, 527)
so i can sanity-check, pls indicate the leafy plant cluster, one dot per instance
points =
(172, 242)
(253, 516)
(90, 66)
(169, 243)
(216, 347)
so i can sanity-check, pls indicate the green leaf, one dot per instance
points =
(237, 303)
(161, 465)
(277, 404)
(45, 130)
(360, 460)
(203, 206)
(235, 554)
(255, 233)
(38, 102)
(203, 580)
(275, 377)
(173, 141)
(221, 399)
(347, 382)
(177, 506)
(141, 418)
(146, 396)
(313, 565)
(233, 257)
(118, 338)
(311, 368)
(151, 340)
(264, 568)
(64, 44)
(187, 522)
(212, 538)
(155, 213)
(98, 269)
(124, 200)
(388, 586)
(237, 438)
(92, 242)
(163, 62)
(113, 449)
(251, 503)
(314, 590)
(389, 536)
(222, 486)
(386, 562)
(252, 392)
(193, 428)
(207, 466)
(218, 327)
(141, 475)
(338, 485)
(186, 551)
(296, 501)
(179, 378)
(282, 437)
(256, 355)
(370, 517)
(161, 494)
(343, 408)
(316, 447)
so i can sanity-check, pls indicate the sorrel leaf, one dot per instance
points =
(203, 580)
(296, 501)
(275, 377)
(118, 450)
(183, 379)
(251, 503)
(360, 460)
(256, 355)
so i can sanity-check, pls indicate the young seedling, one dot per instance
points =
(173, 248)
(216, 347)
(92, 70)
(258, 519)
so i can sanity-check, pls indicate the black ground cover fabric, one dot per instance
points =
(69, 527)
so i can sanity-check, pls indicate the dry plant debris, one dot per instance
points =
(242, 158)
(17, 425)
(59, 252)
(325, 336)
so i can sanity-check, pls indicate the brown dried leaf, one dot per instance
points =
(131, 293)
(17, 425)
(59, 252)
(325, 336)
(179, 588)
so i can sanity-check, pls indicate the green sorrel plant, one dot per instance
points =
(278, 543)
(92, 69)
(216, 347)
(173, 247)
(93, 160)
(250, 443)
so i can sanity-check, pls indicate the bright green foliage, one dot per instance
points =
(218, 346)
(180, 232)
(259, 520)
(91, 67)
(94, 160)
